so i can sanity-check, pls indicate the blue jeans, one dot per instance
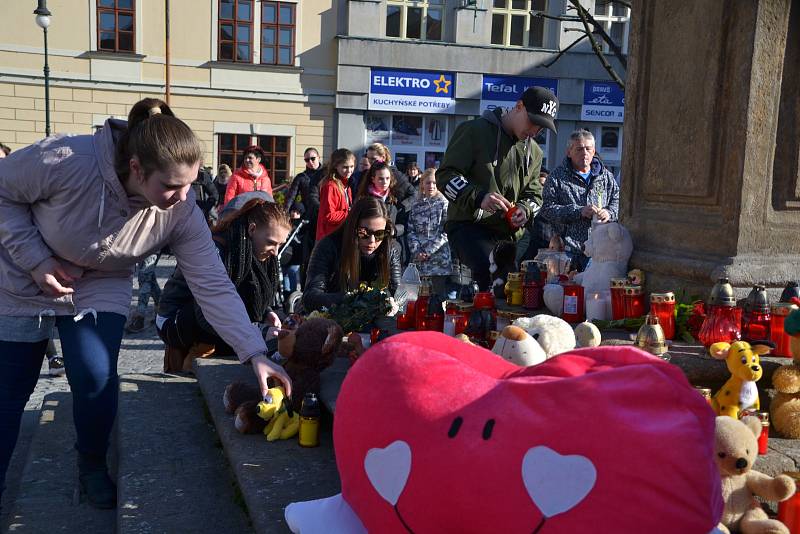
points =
(90, 350)
(291, 277)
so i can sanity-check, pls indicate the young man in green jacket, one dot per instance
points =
(490, 175)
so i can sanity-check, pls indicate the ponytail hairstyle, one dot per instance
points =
(365, 182)
(157, 138)
(240, 260)
(350, 269)
(339, 157)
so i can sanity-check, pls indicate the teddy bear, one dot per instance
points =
(610, 247)
(308, 350)
(785, 407)
(517, 346)
(241, 399)
(735, 451)
(553, 334)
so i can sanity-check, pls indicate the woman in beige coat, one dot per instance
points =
(76, 214)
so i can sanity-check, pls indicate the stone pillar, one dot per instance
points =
(711, 178)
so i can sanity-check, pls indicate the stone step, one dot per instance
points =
(173, 475)
(270, 475)
(48, 499)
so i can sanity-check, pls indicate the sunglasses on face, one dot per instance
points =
(379, 235)
(309, 159)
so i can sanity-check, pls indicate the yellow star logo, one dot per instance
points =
(442, 85)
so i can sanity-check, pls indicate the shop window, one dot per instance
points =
(278, 33)
(513, 24)
(615, 19)
(231, 148)
(235, 31)
(276, 159)
(415, 19)
(418, 138)
(116, 25)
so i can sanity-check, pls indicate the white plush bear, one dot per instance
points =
(553, 296)
(553, 334)
(515, 345)
(610, 247)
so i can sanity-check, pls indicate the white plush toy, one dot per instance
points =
(610, 247)
(515, 345)
(554, 298)
(587, 335)
(553, 334)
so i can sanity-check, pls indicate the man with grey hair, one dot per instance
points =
(579, 192)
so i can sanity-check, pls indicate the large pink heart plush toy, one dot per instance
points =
(436, 436)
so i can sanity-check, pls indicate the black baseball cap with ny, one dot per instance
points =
(542, 106)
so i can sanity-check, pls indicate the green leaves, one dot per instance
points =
(360, 308)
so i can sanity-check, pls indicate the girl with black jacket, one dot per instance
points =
(361, 250)
(248, 240)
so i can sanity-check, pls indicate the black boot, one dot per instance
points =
(95, 483)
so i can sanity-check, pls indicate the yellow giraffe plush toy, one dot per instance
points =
(740, 391)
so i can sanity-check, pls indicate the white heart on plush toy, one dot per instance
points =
(388, 469)
(556, 483)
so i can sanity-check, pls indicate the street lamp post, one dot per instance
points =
(43, 21)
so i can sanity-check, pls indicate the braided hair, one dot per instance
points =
(255, 281)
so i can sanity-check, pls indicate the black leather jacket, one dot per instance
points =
(322, 281)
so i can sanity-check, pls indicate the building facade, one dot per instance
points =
(409, 71)
(242, 72)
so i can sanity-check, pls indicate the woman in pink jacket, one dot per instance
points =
(251, 176)
(76, 214)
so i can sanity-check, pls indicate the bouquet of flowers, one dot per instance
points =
(361, 307)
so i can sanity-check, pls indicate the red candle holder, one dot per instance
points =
(789, 510)
(573, 303)
(618, 298)
(722, 323)
(634, 302)
(484, 301)
(778, 335)
(662, 305)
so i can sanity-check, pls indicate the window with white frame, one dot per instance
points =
(615, 19)
(513, 24)
(415, 19)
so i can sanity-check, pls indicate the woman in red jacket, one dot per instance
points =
(251, 176)
(335, 197)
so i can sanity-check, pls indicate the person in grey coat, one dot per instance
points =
(578, 193)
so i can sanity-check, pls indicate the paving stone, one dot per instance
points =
(48, 499)
(270, 475)
(172, 475)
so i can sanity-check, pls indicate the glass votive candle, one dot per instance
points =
(634, 302)
(618, 298)
(662, 305)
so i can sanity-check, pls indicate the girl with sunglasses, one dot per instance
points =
(361, 250)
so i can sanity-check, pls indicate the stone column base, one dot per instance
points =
(665, 271)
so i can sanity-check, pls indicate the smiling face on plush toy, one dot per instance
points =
(432, 436)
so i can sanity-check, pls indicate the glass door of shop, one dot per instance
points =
(418, 138)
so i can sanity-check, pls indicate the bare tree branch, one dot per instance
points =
(562, 52)
(544, 15)
(582, 13)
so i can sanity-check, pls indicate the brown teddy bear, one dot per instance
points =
(308, 350)
(735, 449)
(785, 407)
(241, 400)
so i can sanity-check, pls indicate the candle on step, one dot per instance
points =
(596, 307)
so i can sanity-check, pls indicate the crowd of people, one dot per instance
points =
(72, 231)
